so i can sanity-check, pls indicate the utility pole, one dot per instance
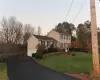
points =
(94, 38)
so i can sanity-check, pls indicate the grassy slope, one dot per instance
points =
(3, 72)
(81, 63)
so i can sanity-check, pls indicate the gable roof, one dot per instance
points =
(63, 33)
(51, 31)
(59, 32)
(44, 38)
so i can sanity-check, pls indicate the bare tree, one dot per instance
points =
(11, 29)
(1, 37)
(18, 32)
(39, 30)
(4, 29)
(28, 30)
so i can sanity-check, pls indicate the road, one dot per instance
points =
(26, 68)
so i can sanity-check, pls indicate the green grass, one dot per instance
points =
(3, 72)
(81, 63)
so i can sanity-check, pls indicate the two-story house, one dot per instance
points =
(59, 40)
(64, 40)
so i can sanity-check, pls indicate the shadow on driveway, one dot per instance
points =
(26, 68)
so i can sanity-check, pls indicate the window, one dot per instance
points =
(47, 43)
(61, 45)
(66, 37)
(42, 42)
(64, 45)
(61, 36)
(69, 38)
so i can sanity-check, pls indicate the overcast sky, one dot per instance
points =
(46, 13)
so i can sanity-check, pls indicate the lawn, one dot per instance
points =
(3, 72)
(81, 63)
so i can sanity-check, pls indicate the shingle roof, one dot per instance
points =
(61, 32)
(44, 37)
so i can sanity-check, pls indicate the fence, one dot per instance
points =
(10, 49)
(78, 45)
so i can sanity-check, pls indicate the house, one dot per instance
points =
(59, 40)
(34, 40)
(64, 40)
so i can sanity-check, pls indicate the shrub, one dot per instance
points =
(45, 51)
(33, 55)
(38, 55)
(1, 59)
(78, 50)
(50, 50)
(40, 48)
(73, 54)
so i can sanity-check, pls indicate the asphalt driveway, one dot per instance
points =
(26, 68)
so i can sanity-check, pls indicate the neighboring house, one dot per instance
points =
(34, 40)
(64, 40)
(59, 40)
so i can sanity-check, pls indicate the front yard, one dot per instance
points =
(3, 72)
(81, 63)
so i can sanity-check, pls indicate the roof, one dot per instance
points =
(63, 33)
(59, 32)
(44, 37)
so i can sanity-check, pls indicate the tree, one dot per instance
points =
(4, 29)
(84, 34)
(65, 27)
(73, 38)
(11, 30)
(28, 31)
(99, 39)
(39, 30)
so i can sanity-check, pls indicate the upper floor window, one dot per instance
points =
(66, 37)
(61, 36)
(69, 37)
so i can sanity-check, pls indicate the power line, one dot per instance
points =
(69, 9)
(79, 11)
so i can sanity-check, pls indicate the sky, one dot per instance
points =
(47, 13)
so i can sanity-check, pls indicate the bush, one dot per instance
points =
(45, 51)
(37, 55)
(33, 55)
(1, 59)
(78, 50)
(50, 50)
(73, 54)
(40, 48)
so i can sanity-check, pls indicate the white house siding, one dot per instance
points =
(67, 41)
(54, 35)
(31, 45)
(57, 36)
